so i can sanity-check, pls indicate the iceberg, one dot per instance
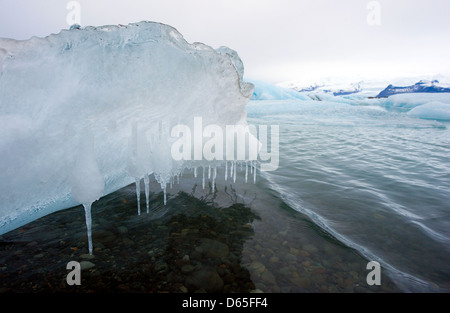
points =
(268, 91)
(432, 110)
(89, 110)
(408, 101)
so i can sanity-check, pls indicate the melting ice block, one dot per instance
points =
(103, 80)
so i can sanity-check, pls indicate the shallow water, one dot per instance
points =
(378, 181)
(354, 184)
(236, 239)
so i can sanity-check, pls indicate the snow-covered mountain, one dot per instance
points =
(422, 86)
(334, 86)
(379, 87)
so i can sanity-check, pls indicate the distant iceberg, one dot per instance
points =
(432, 110)
(408, 101)
(87, 111)
(427, 99)
(267, 91)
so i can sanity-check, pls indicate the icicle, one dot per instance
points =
(241, 166)
(251, 167)
(178, 179)
(209, 172)
(214, 179)
(254, 173)
(203, 180)
(246, 171)
(226, 170)
(138, 194)
(147, 192)
(165, 194)
(195, 172)
(231, 169)
(171, 182)
(234, 172)
(87, 212)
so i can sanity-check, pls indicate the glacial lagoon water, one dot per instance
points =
(354, 185)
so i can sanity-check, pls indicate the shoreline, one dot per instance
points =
(248, 243)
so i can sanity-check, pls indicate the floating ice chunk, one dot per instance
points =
(433, 110)
(107, 79)
(267, 91)
(406, 102)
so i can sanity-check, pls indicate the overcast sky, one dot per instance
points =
(278, 40)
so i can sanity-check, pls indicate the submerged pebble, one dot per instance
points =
(179, 253)
(207, 278)
(87, 256)
(188, 268)
(85, 265)
(256, 266)
(122, 229)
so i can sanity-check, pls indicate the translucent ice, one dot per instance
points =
(267, 91)
(147, 192)
(139, 162)
(125, 85)
(86, 180)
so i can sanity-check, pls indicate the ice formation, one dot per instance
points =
(86, 180)
(267, 91)
(432, 110)
(88, 111)
(408, 101)
(424, 100)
